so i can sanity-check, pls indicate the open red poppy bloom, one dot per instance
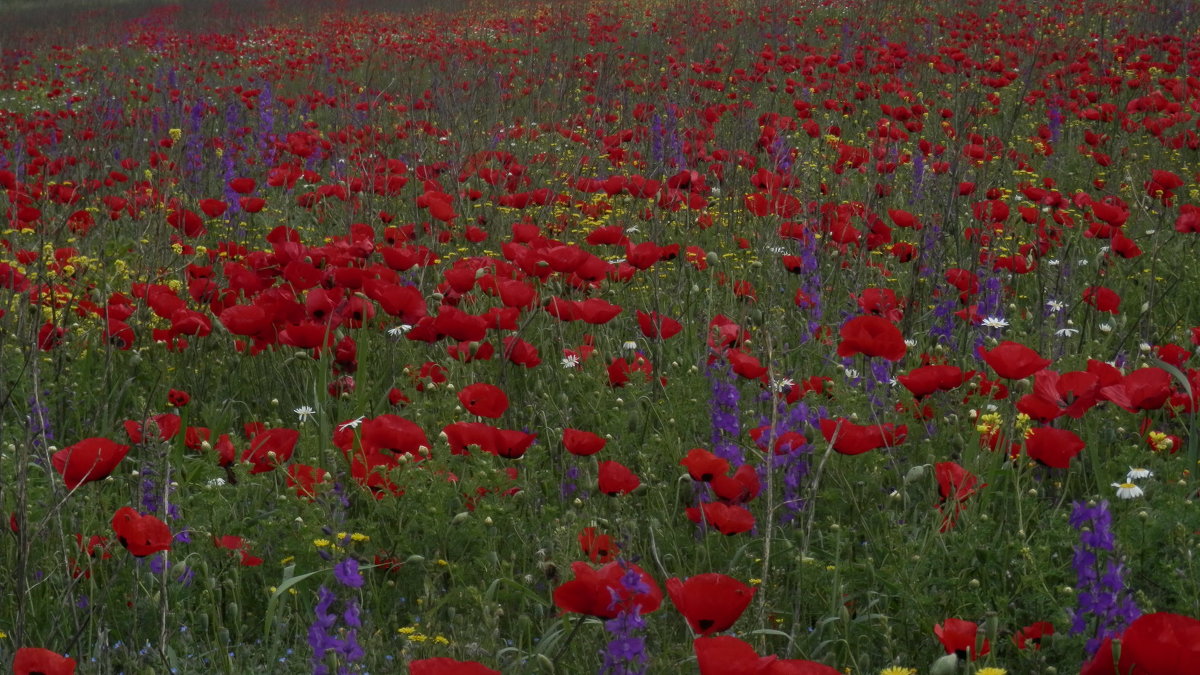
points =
(1053, 447)
(1033, 634)
(601, 592)
(727, 655)
(270, 448)
(600, 548)
(704, 466)
(655, 325)
(1013, 360)
(739, 488)
(954, 482)
(88, 460)
(582, 443)
(615, 479)
(1143, 389)
(1161, 643)
(849, 438)
(35, 660)
(710, 602)
(447, 666)
(873, 336)
(728, 519)
(926, 380)
(141, 535)
(485, 400)
(959, 637)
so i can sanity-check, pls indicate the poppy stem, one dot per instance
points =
(567, 643)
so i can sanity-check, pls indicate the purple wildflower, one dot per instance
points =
(1103, 598)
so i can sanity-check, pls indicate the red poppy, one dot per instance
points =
(166, 425)
(614, 479)
(270, 448)
(177, 398)
(925, 380)
(727, 655)
(1053, 447)
(446, 666)
(1159, 643)
(849, 438)
(959, 637)
(728, 519)
(1033, 634)
(582, 443)
(703, 465)
(141, 535)
(599, 548)
(1014, 361)
(655, 325)
(1103, 299)
(710, 602)
(746, 365)
(604, 592)
(1143, 389)
(873, 336)
(484, 399)
(304, 479)
(35, 661)
(739, 488)
(954, 482)
(88, 460)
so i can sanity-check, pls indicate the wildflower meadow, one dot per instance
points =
(644, 336)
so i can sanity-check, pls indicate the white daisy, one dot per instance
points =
(570, 361)
(352, 424)
(782, 384)
(304, 412)
(1128, 490)
(399, 330)
(1137, 473)
(630, 345)
(1066, 332)
(1055, 305)
(995, 322)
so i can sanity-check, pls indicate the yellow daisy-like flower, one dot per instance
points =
(898, 670)
(991, 671)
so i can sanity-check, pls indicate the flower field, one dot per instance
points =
(731, 336)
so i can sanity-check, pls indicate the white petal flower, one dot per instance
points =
(1136, 473)
(399, 330)
(352, 424)
(1066, 332)
(995, 322)
(1128, 490)
(304, 412)
(570, 361)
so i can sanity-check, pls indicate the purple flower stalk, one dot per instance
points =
(724, 404)
(1103, 598)
(626, 653)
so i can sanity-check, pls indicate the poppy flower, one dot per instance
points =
(703, 465)
(447, 666)
(1160, 643)
(849, 438)
(1053, 447)
(954, 482)
(177, 398)
(35, 660)
(710, 602)
(485, 400)
(655, 325)
(1013, 360)
(582, 443)
(605, 592)
(166, 425)
(739, 488)
(727, 655)
(959, 637)
(1143, 389)
(88, 460)
(141, 535)
(270, 448)
(615, 479)
(923, 381)
(1033, 634)
(728, 519)
(873, 336)
(1103, 299)
(599, 548)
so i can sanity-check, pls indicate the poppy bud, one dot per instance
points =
(947, 665)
